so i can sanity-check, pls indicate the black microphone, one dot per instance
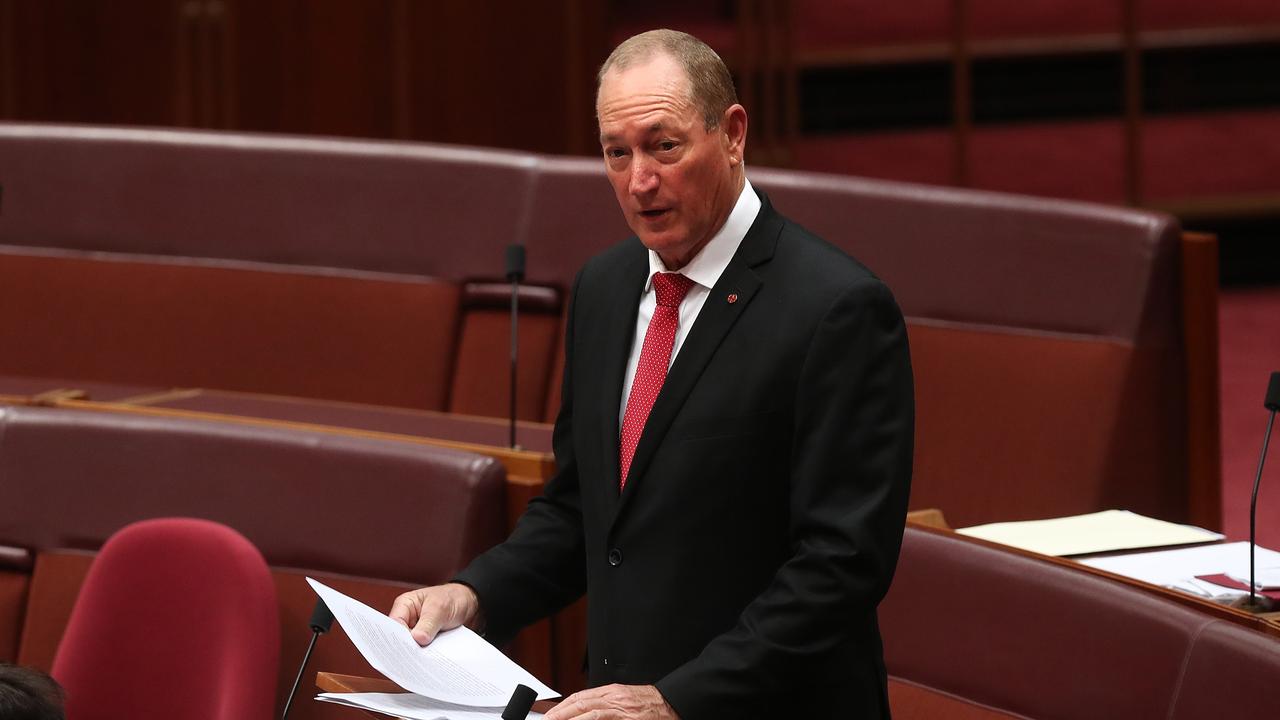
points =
(515, 273)
(520, 703)
(1272, 403)
(321, 621)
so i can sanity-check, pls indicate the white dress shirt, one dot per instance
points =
(704, 270)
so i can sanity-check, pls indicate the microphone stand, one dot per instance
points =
(515, 273)
(1254, 603)
(321, 621)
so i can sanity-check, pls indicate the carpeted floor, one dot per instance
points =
(1249, 343)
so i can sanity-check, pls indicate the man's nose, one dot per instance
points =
(643, 178)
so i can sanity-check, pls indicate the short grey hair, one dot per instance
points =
(710, 84)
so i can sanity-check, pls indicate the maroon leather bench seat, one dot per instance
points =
(974, 631)
(112, 318)
(412, 208)
(1049, 347)
(329, 206)
(1046, 342)
(374, 516)
(311, 500)
(1047, 336)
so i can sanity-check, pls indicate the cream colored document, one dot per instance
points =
(458, 667)
(1105, 531)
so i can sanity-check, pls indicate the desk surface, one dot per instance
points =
(334, 682)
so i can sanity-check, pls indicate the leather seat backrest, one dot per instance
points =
(332, 502)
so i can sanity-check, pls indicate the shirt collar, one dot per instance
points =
(708, 265)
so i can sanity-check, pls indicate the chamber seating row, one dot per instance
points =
(371, 516)
(977, 631)
(972, 630)
(352, 335)
(1065, 353)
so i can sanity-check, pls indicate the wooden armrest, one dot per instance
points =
(928, 517)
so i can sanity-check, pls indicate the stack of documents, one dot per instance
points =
(458, 676)
(1105, 531)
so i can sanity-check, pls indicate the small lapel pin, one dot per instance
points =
(733, 298)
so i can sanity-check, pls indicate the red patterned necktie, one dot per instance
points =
(651, 371)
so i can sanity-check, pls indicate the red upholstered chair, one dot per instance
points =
(177, 619)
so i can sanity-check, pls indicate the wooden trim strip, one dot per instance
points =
(337, 683)
(159, 397)
(52, 397)
(393, 409)
(520, 463)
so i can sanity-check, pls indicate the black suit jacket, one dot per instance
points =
(741, 568)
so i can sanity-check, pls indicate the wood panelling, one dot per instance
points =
(315, 66)
(490, 72)
(7, 70)
(94, 61)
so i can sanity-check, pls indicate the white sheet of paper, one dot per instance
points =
(414, 707)
(1104, 531)
(1178, 568)
(458, 667)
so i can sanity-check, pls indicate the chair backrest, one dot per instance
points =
(438, 210)
(187, 322)
(973, 630)
(177, 618)
(1047, 336)
(1233, 673)
(1048, 340)
(332, 502)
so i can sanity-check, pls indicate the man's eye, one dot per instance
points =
(667, 145)
(614, 153)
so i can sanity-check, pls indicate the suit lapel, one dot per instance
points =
(714, 321)
(617, 330)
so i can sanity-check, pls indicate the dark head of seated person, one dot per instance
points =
(27, 694)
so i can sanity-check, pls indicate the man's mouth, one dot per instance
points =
(655, 213)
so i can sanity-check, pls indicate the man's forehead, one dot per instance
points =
(658, 74)
(610, 130)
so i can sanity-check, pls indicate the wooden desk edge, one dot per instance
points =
(338, 683)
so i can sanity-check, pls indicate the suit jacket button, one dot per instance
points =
(615, 557)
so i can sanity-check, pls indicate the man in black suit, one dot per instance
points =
(734, 443)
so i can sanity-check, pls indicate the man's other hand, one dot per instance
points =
(615, 702)
(430, 610)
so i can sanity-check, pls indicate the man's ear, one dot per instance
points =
(734, 126)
